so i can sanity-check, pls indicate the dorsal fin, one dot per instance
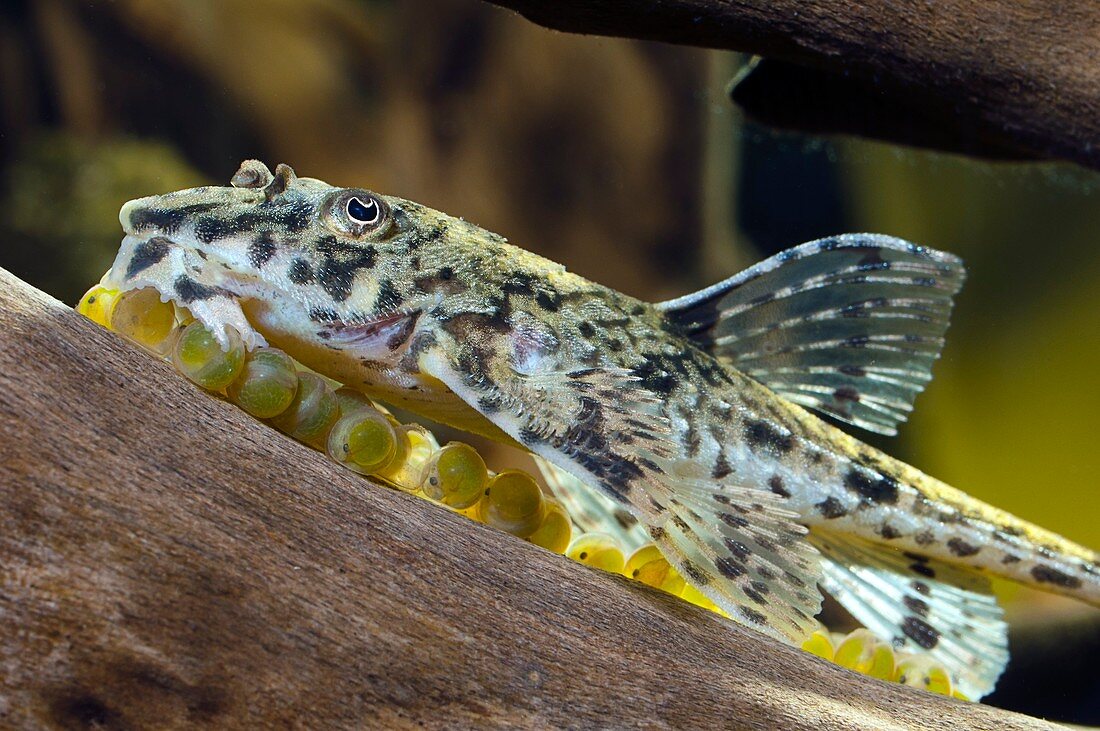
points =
(847, 325)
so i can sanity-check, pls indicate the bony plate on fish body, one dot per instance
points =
(684, 423)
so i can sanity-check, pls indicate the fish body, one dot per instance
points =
(685, 417)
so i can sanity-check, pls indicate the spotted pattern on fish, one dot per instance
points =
(146, 254)
(665, 408)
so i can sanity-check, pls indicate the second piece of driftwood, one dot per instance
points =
(1013, 77)
(169, 562)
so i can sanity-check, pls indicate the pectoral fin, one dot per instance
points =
(736, 545)
(599, 424)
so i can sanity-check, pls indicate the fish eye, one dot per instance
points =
(363, 211)
(357, 213)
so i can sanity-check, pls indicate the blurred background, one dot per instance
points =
(624, 160)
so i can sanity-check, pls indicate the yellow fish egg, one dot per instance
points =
(396, 471)
(556, 530)
(362, 440)
(141, 316)
(350, 399)
(199, 357)
(645, 554)
(97, 304)
(599, 551)
(923, 672)
(819, 644)
(649, 566)
(266, 385)
(415, 445)
(857, 652)
(513, 502)
(311, 413)
(455, 476)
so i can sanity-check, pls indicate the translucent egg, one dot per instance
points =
(513, 503)
(819, 644)
(97, 304)
(882, 662)
(199, 357)
(863, 652)
(649, 566)
(423, 446)
(556, 529)
(363, 441)
(939, 681)
(311, 413)
(598, 550)
(395, 465)
(920, 671)
(350, 399)
(266, 385)
(455, 476)
(415, 446)
(386, 413)
(645, 554)
(140, 316)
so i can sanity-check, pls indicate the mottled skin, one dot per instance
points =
(437, 315)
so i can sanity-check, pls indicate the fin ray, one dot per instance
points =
(818, 323)
(951, 616)
(605, 428)
(591, 510)
(746, 538)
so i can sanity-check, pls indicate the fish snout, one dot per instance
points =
(131, 214)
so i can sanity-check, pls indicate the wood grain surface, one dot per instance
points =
(168, 562)
(1022, 75)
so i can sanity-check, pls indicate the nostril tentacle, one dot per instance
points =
(252, 174)
(284, 178)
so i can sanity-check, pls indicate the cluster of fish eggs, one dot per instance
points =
(354, 431)
(365, 438)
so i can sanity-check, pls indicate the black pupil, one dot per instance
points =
(363, 212)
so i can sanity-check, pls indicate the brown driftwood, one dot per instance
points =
(168, 561)
(1015, 76)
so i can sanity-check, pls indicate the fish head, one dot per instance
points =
(357, 267)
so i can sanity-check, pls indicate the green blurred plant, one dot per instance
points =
(60, 200)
